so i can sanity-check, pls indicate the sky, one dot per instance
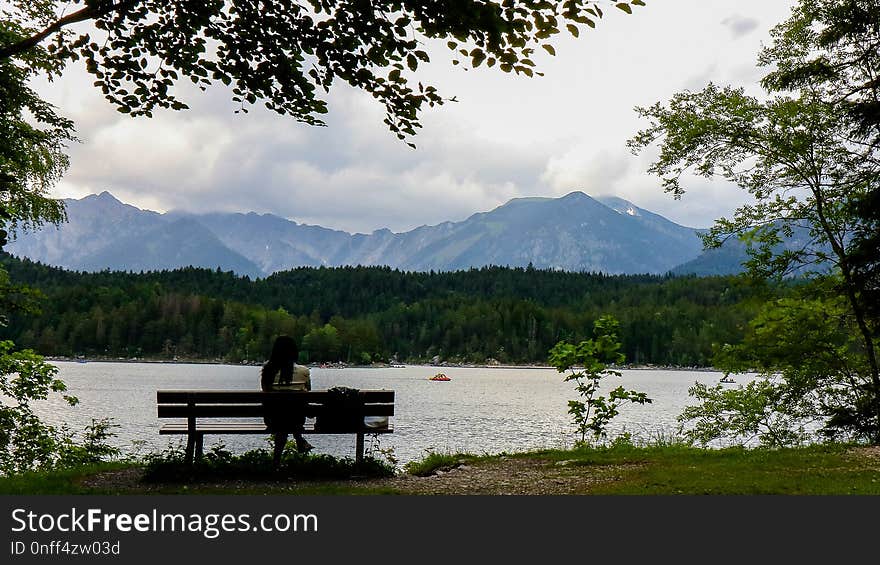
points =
(506, 137)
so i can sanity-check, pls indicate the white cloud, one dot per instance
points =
(506, 137)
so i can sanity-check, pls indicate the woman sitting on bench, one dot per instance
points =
(281, 372)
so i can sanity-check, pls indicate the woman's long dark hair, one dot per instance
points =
(284, 353)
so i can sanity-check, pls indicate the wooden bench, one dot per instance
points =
(220, 412)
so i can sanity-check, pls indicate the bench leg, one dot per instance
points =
(359, 449)
(200, 442)
(280, 442)
(190, 448)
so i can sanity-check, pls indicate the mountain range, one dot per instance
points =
(573, 233)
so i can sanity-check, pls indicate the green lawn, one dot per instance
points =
(816, 470)
(66, 481)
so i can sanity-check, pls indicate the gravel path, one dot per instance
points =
(504, 476)
(509, 476)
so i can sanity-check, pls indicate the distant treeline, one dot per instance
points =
(363, 314)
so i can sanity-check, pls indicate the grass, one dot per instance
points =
(815, 470)
(70, 481)
(434, 462)
(218, 472)
(652, 470)
(62, 481)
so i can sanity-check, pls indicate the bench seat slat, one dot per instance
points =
(252, 428)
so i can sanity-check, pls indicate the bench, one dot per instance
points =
(220, 412)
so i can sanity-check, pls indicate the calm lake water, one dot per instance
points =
(478, 411)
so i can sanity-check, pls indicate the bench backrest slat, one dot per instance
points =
(192, 404)
(254, 410)
(257, 396)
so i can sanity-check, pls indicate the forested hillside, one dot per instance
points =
(363, 314)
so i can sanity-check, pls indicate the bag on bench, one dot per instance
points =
(342, 411)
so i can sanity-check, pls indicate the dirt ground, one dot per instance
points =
(504, 476)
(514, 476)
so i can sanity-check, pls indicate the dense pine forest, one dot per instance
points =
(369, 314)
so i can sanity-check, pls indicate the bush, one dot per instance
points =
(26, 442)
(93, 448)
(218, 463)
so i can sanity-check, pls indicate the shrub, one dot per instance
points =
(594, 357)
(169, 465)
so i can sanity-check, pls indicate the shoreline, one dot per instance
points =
(371, 366)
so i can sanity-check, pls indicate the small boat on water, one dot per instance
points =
(439, 377)
(726, 379)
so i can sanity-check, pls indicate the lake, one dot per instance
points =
(480, 410)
